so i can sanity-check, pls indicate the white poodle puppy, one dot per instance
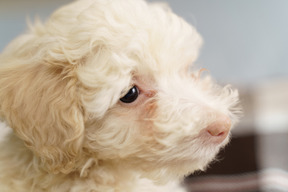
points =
(101, 98)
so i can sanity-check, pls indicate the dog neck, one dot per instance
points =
(19, 163)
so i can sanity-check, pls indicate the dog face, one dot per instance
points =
(111, 80)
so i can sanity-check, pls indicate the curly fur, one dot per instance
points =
(60, 85)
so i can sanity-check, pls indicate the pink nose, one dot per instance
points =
(220, 128)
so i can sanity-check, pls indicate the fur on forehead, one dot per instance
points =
(149, 35)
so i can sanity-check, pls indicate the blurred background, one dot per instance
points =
(246, 45)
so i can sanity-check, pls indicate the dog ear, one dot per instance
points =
(40, 103)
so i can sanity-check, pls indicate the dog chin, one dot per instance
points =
(199, 158)
(177, 168)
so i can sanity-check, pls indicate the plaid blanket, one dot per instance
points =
(256, 159)
(249, 163)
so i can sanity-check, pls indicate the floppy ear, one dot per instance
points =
(40, 103)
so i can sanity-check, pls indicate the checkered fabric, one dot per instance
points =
(251, 163)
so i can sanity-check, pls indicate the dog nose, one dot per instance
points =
(220, 128)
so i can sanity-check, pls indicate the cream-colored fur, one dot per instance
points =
(60, 85)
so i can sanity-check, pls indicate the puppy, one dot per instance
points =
(101, 98)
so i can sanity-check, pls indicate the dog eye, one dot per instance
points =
(131, 96)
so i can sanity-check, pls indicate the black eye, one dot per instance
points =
(131, 96)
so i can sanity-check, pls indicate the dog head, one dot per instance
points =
(112, 81)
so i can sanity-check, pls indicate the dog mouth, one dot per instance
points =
(200, 149)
